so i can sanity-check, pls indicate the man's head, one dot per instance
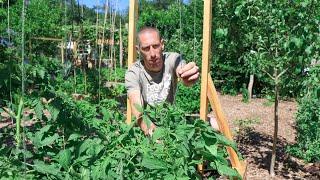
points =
(150, 47)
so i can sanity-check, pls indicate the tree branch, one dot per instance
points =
(273, 78)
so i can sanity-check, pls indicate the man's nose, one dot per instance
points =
(153, 53)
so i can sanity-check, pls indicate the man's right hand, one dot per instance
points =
(135, 100)
(147, 131)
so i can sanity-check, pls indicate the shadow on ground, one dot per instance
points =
(256, 148)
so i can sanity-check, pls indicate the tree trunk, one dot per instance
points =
(250, 86)
(275, 135)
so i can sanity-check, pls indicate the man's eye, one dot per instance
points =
(146, 48)
(156, 46)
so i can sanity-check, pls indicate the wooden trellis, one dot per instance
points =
(208, 91)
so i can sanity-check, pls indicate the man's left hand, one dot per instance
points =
(189, 73)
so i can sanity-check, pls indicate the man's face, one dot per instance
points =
(151, 47)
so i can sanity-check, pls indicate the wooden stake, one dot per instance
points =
(223, 126)
(208, 91)
(132, 54)
(121, 46)
(62, 52)
(207, 19)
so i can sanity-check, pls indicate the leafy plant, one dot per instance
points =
(307, 120)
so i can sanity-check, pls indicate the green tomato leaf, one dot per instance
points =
(49, 140)
(213, 149)
(64, 158)
(74, 137)
(41, 167)
(152, 163)
(224, 169)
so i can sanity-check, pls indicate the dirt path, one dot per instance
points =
(252, 126)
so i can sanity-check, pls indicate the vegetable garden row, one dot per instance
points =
(62, 121)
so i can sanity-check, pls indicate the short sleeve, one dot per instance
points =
(132, 81)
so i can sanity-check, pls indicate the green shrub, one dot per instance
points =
(308, 120)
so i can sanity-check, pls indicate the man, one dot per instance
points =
(154, 79)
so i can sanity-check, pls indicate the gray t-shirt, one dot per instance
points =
(155, 87)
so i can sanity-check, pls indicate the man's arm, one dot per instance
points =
(188, 73)
(135, 100)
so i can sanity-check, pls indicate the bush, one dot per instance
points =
(308, 121)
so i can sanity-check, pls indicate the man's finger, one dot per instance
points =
(194, 77)
(187, 67)
(190, 72)
(189, 83)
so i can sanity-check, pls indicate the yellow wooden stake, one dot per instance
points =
(208, 91)
(207, 19)
(224, 127)
(132, 54)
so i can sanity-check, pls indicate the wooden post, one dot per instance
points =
(208, 91)
(120, 46)
(223, 126)
(132, 54)
(207, 19)
(62, 52)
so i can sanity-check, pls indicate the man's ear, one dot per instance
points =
(137, 48)
(162, 44)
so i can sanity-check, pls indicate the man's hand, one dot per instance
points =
(136, 101)
(147, 131)
(189, 73)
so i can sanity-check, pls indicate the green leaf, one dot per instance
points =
(84, 146)
(222, 139)
(38, 110)
(74, 137)
(158, 133)
(238, 10)
(152, 163)
(224, 169)
(64, 158)
(54, 112)
(213, 149)
(41, 73)
(308, 50)
(49, 140)
(46, 169)
(221, 32)
(37, 137)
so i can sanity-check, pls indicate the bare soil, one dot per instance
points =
(252, 126)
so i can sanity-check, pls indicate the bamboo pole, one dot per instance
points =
(207, 19)
(133, 14)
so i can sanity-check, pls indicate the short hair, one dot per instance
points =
(146, 29)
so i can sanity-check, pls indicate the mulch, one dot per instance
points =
(252, 125)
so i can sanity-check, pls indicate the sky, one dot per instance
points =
(123, 4)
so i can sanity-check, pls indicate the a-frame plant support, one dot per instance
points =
(132, 54)
(208, 91)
